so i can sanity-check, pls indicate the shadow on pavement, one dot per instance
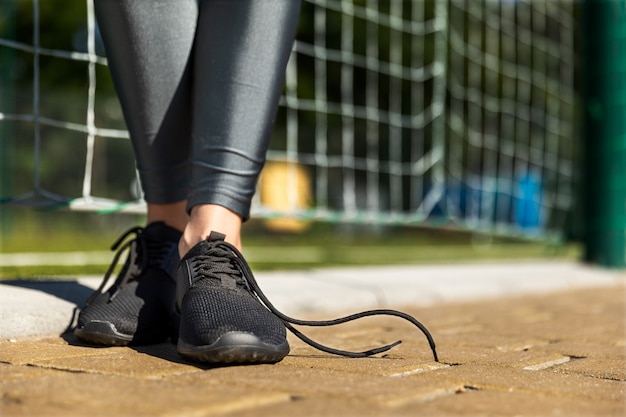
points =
(165, 350)
(71, 291)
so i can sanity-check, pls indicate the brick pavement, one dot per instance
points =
(557, 354)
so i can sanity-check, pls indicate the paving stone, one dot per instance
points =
(312, 382)
(579, 316)
(393, 367)
(545, 382)
(465, 402)
(324, 406)
(495, 357)
(19, 373)
(57, 353)
(517, 404)
(125, 362)
(24, 351)
(603, 368)
(587, 349)
(80, 394)
(523, 345)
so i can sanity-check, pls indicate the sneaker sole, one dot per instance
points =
(235, 347)
(105, 334)
(102, 333)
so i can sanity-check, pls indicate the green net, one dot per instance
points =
(455, 113)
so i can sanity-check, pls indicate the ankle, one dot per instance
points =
(207, 218)
(174, 214)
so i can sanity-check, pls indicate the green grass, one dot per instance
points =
(321, 245)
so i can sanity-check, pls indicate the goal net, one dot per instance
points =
(456, 113)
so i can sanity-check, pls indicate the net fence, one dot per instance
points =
(456, 113)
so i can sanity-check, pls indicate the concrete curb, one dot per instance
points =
(48, 307)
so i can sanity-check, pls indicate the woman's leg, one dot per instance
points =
(241, 51)
(240, 55)
(149, 49)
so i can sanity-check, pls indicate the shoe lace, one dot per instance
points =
(216, 264)
(143, 253)
(225, 260)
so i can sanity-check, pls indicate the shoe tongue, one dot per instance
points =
(216, 237)
(201, 248)
(161, 231)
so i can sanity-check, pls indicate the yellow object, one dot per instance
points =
(285, 187)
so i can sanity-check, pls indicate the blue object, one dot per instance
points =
(528, 210)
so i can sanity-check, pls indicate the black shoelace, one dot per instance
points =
(137, 262)
(225, 259)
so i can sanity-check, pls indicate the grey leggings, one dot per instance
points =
(199, 83)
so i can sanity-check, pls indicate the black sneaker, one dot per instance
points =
(139, 306)
(226, 318)
(221, 319)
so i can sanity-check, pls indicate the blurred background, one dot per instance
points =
(415, 131)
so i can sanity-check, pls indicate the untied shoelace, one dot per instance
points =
(247, 279)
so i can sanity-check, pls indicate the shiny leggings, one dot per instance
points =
(199, 83)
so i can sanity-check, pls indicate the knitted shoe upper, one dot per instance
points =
(141, 300)
(214, 299)
(141, 306)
